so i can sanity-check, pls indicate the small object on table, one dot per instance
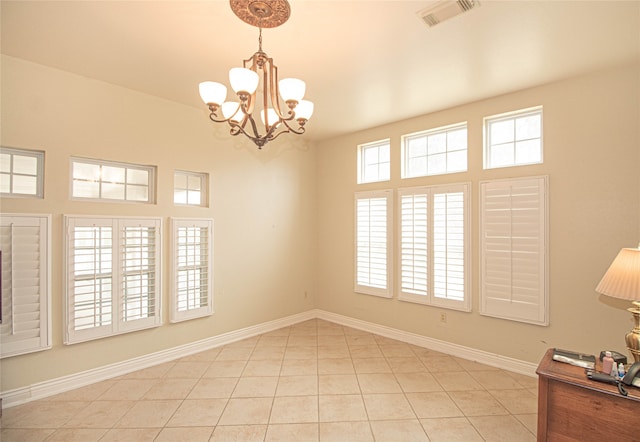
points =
(574, 358)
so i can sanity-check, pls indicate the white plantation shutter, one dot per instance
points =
(373, 239)
(513, 226)
(449, 245)
(26, 315)
(191, 268)
(113, 276)
(435, 245)
(139, 273)
(414, 242)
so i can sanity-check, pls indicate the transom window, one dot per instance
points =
(105, 180)
(513, 139)
(190, 188)
(374, 162)
(434, 152)
(21, 172)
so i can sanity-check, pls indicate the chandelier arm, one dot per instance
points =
(275, 89)
(289, 130)
(214, 117)
(254, 128)
(237, 129)
(298, 131)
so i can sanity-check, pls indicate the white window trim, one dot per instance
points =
(207, 310)
(43, 341)
(117, 326)
(405, 157)
(360, 160)
(508, 116)
(385, 292)
(39, 156)
(511, 309)
(148, 168)
(204, 187)
(429, 298)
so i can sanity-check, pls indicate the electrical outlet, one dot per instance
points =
(443, 317)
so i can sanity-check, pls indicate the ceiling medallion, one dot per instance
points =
(262, 14)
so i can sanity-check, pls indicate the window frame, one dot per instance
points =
(204, 187)
(405, 159)
(39, 176)
(151, 181)
(117, 324)
(43, 340)
(428, 295)
(360, 286)
(361, 166)
(176, 315)
(513, 115)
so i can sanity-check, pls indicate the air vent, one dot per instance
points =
(444, 10)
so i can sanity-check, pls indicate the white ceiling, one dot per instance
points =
(366, 63)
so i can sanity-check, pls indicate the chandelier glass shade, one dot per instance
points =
(275, 118)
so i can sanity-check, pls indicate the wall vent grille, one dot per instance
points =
(444, 10)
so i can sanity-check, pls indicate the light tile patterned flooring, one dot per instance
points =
(313, 381)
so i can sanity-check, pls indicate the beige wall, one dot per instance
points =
(592, 158)
(284, 216)
(261, 202)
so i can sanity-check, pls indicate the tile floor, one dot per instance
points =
(314, 381)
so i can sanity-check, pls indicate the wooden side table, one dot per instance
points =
(571, 407)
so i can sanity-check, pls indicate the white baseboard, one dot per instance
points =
(52, 387)
(492, 359)
(60, 385)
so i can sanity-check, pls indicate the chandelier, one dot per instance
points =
(239, 115)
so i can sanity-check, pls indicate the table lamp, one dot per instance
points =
(622, 280)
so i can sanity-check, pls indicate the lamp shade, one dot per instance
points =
(292, 89)
(212, 92)
(304, 109)
(272, 117)
(622, 280)
(231, 110)
(243, 80)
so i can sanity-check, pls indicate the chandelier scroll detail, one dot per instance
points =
(275, 117)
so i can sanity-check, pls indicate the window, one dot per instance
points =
(435, 152)
(513, 247)
(25, 321)
(435, 246)
(113, 276)
(374, 162)
(104, 180)
(190, 188)
(373, 242)
(191, 275)
(513, 139)
(21, 172)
